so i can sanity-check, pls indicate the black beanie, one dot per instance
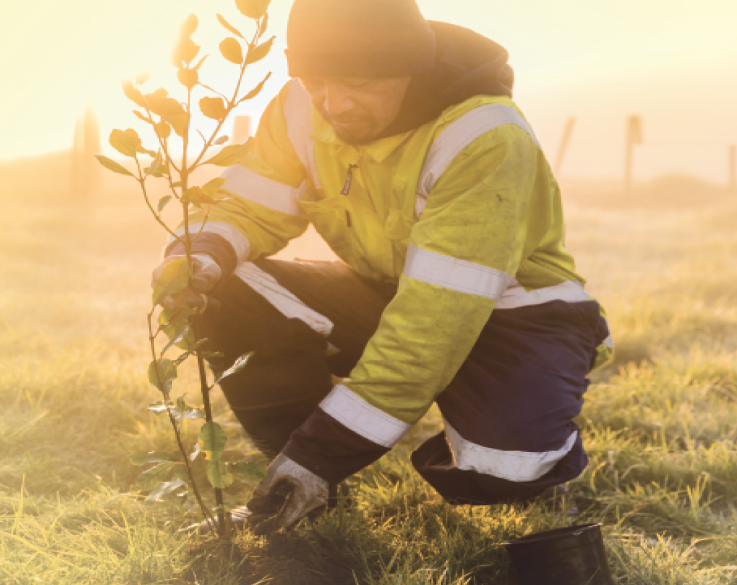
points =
(358, 38)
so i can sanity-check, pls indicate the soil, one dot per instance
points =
(283, 559)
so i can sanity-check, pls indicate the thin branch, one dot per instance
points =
(231, 104)
(183, 451)
(184, 175)
(204, 222)
(162, 143)
(214, 91)
(169, 164)
(142, 182)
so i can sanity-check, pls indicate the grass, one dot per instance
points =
(660, 424)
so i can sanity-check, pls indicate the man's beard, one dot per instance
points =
(351, 138)
(364, 135)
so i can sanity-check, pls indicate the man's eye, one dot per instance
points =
(359, 84)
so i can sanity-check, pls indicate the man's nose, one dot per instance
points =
(337, 101)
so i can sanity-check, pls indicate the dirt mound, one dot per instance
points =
(284, 559)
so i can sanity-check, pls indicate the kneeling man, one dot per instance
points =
(399, 142)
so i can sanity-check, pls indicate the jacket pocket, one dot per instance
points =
(332, 221)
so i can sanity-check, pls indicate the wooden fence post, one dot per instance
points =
(565, 140)
(634, 137)
(85, 169)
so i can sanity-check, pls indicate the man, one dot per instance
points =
(399, 142)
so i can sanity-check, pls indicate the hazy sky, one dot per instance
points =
(672, 61)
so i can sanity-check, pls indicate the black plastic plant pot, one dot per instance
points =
(567, 556)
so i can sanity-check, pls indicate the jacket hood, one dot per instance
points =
(467, 64)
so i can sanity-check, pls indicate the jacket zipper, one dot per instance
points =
(346, 190)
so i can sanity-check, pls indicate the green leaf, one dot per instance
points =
(160, 406)
(177, 332)
(249, 469)
(159, 170)
(169, 318)
(162, 129)
(167, 373)
(164, 106)
(231, 49)
(164, 489)
(221, 140)
(213, 107)
(126, 143)
(172, 280)
(264, 25)
(180, 472)
(199, 63)
(150, 478)
(143, 117)
(213, 186)
(184, 51)
(191, 414)
(185, 412)
(230, 155)
(255, 54)
(253, 8)
(171, 322)
(144, 458)
(170, 111)
(228, 26)
(218, 474)
(188, 77)
(113, 166)
(239, 364)
(189, 26)
(196, 196)
(158, 166)
(212, 440)
(133, 94)
(142, 77)
(256, 90)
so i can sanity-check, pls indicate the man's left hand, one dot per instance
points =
(307, 491)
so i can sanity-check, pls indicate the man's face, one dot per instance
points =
(359, 108)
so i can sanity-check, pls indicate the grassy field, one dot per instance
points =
(660, 423)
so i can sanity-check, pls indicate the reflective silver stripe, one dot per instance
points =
(298, 113)
(359, 416)
(511, 465)
(458, 136)
(281, 299)
(259, 189)
(609, 342)
(455, 274)
(233, 236)
(516, 296)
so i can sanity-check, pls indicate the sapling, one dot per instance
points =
(173, 161)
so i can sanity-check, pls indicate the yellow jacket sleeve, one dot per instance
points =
(264, 213)
(464, 251)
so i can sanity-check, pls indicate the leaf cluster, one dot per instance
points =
(171, 121)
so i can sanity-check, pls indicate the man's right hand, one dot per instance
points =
(206, 275)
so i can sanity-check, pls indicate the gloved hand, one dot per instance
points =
(206, 275)
(306, 492)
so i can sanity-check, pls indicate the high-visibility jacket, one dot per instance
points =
(462, 212)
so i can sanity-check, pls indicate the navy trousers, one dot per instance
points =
(511, 405)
